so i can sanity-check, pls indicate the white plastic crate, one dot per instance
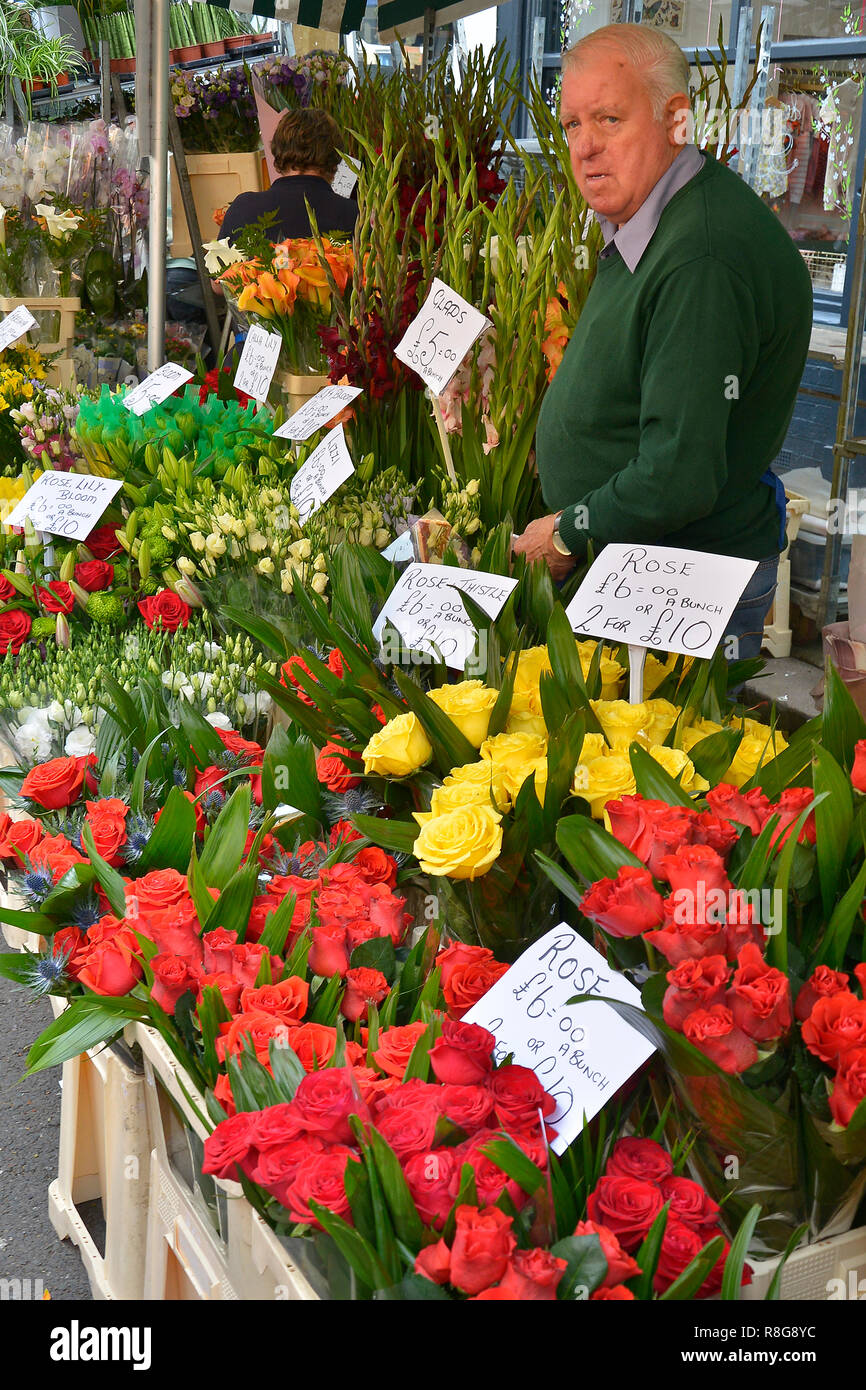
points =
(828, 1271)
(104, 1155)
(184, 1260)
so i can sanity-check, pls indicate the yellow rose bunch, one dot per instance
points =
(526, 714)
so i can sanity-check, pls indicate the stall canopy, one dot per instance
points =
(338, 16)
(404, 17)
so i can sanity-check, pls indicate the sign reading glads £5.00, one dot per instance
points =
(65, 504)
(581, 1053)
(438, 339)
(659, 597)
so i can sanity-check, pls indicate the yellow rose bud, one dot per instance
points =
(462, 844)
(483, 775)
(679, 766)
(468, 705)
(533, 767)
(621, 721)
(594, 746)
(523, 721)
(398, 749)
(506, 750)
(603, 780)
(663, 717)
(754, 751)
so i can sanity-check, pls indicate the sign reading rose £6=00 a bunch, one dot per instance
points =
(15, 325)
(318, 411)
(329, 465)
(65, 504)
(156, 388)
(436, 342)
(427, 611)
(659, 597)
(258, 363)
(581, 1053)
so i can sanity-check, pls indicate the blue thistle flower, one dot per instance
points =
(47, 972)
(165, 748)
(178, 776)
(138, 831)
(135, 757)
(359, 801)
(86, 912)
(37, 884)
(212, 801)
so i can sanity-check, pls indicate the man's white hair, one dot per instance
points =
(659, 60)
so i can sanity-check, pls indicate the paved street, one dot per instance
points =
(29, 1139)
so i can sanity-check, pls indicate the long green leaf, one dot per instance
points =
(224, 846)
(87, 1021)
(590, 850)
(110, 880)
(693, 1276)
(733, 1275)
(833, 820)
(653, 781)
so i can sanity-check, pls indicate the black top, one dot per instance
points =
(286, 197)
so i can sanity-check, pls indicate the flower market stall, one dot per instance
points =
(410, 933)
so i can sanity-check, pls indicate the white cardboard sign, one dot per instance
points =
(317, 411)
(344, 179)
(156, 388)
(16, 323)
(659, 597)
(430, 616)
(328, 466)
(581, 1053)
(400, 549)
(436, 342)
(258, 362)
(65, 504)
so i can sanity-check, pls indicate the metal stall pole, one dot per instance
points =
(158, 185)
(182, 172)
(105, 80)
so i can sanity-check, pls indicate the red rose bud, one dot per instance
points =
(230, 1143)
(683, 939)
(333, 769)
(103, 543)
(714, 1033)
(680, 1245)
(619, 1264)
(329, 953)
(531, 1276)
(320, 1178)
(18, 837)
(482, 1246)
(712, 830)
(364, 987)
(639, 1158)
(94, 575)
(791, 803)
(15, 627)
(626, 1206)
(749, 809)
(858, 771)
(619, 1294)
(56, 597)
(823, 983)
(694, 984)
(518, 1096)
(650, 829)
(625, 906)
(693, 867)
(689, 1202)
(463, 1054)
(759, 997)
(428, 1176)
(468, 972)
(835, 1026)
(741, 929)
(110, 968)
(434, 1262)
(165, 611)
(849, 1087)
(172, 977)
(228, 986)
(324, 1102)
(54, 784)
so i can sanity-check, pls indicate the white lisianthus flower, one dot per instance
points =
(56, 713)
(319, 583)
(33, 740)
(215, 544)
(265, 565)
(219, 721)
(185, 565)
(80, 742)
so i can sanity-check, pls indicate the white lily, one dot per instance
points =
(58, 223)
(219, 254)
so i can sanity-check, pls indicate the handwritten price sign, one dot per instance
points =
(15, 325)
(318, 479)
(345, 178)
(436, 342)
(581, 1053)
(65, 504)
(317, 411)
(156, 388)
(258, 363)
(429, 614)
(661, 598)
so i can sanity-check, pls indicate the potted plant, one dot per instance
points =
(26, 54)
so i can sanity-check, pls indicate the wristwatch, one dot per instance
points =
(558, 542)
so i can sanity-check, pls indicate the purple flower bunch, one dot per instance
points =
(217, 109)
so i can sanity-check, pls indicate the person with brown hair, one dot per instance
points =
(305, 148)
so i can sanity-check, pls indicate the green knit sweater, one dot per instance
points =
(678, 385)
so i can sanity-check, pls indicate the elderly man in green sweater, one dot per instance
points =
(678, 385)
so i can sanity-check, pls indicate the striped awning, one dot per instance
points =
(338, 16)
(405, 17)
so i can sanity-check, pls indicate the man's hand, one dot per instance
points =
(536, 543)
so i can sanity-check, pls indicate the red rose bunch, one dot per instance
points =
(419, 1120)
(637, 1182)
(834, 1031)
(729, 1015)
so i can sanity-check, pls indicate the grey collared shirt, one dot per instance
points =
(634, 236)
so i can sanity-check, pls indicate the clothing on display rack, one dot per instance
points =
(838, 111)
(801, 110)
